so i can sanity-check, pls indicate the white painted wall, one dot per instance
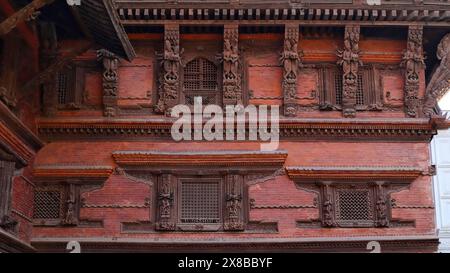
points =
(440, 150)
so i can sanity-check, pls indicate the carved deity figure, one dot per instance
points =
(230, 60)
(328, 212)
(171, 60)
(381, 209)
(165, 200)
(290, 59)
(234, 204)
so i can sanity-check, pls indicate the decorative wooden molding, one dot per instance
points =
(132, 13)
(349, 59)
(232, 66)
(440, 81)
(84, 174)
(315, 173)
(209, 158)
(291, 61)
(324, 129)
(413, 62)
(110, 81)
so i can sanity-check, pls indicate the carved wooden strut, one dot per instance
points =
(413, 62)
(440, 81)
(232, 79)
(349, 59)
(169, 76)
(110, 81)
(291, 61)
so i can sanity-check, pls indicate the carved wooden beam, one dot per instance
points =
(110, 81)
(440, 81)
(29, 12)
(169, 74)
(232, 68)
(413, 62)
(349, 59)
(291, 61)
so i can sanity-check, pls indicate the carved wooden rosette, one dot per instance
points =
(110, 81)
(234, 209)
(232, 79)
(169, 75)
(413, 62)
(350, 61)
(165, 215)
(291, 61)
(440, 81)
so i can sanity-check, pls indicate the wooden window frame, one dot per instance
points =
(50, 221)
(74, 87)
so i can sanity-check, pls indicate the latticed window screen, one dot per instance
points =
(338, 87)
(62, 88)
(200, 202)
(354, 205)
(200, 75)
(47, 204)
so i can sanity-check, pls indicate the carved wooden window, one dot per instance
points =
(200, 202)
(70, 87)
(201, 80)
(354, 207)
(48, 204)
(331, 87)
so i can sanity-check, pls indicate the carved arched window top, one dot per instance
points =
(200, 74)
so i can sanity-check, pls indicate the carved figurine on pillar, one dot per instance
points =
(71, 215)
(7, 168)
(440, 81)
(381, 208)
(170, 74)
(110, 81)
(234, 214)
(350, 61)
(327, 208)
(232, 86)
(413, 62)
(291, 61)
(165, 204)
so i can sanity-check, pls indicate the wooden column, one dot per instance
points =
(232, 68)
(349, 59)
(7, 167)
(413, 62)
(291, 61)
(169, 75)
(166, 209)
(234, 209)
(110, 81)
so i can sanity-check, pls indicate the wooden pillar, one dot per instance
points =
(232, 68)
(349, 59)
(234, 198)
(169, 75)
(110, 81)
(291, 61)
(7, 167)
(413, 62)
(166, 209)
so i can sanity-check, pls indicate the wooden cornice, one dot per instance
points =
(317, 173)
(16, 138)
(82, 174)
(134, 13)
(206, 158)
(392, 129)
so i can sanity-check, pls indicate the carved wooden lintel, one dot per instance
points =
(232, 68)
(110, 81)
(349, 59)
(413, 62)
(169, 75)
(440, 81)
(234, 210)
(165, 215)
(291, 61)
